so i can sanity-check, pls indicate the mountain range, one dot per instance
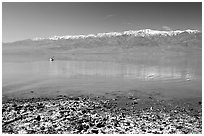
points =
(126, 39)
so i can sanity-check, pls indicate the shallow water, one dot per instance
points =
(168, 78)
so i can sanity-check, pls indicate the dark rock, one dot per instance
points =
(129, 97)
(31, 108)
(80, 121)
(185, 131)
(32, 91)
(164, 122)
(158, 117)
(135, 102)
(97, 96)
(109, 126)
(103, 132)
(105, 119)
(91, 124)
(191, 109)
(179, 127)
(134, 98)
(18, 112)
(161, 128)
(84, 111)
(156, 132)
(197, 117)
(71, 97)
(80, 127)
(199, 103)
(38, 118)
(3, 110)
(76, 98)
(61, 108)
(86, 127)
(108, 106)
(100, 124)
(40, 106)
(143, 130)
(84, 99)
(17, 108)
(72, 123)
(42, 128)
(62, 112)
(14, 105)
(116, 123)
(95, 131)
(127, 123)
(98, 106)
(73, 109)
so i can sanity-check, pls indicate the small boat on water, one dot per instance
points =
(52, 58)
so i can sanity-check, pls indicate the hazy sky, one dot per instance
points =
(29, 20)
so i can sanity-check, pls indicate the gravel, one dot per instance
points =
(96, 115)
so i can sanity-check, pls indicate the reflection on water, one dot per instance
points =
(120, 70)
(69, 69)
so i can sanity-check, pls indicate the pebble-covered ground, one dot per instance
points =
(100, 115)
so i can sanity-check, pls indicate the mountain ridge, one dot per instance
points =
(126, 39)
(142, 33)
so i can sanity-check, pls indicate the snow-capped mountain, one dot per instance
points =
(126, 39)
(138, 33)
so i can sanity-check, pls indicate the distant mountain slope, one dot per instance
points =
(127, 39)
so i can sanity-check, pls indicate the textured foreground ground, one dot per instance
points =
(100, 115)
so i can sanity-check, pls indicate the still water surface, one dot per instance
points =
(96, 77)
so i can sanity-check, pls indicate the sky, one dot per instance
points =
(29, 20)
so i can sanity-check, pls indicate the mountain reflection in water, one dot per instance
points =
(48, 77)
(69, 69)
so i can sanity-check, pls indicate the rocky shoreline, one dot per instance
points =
(101, 115)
